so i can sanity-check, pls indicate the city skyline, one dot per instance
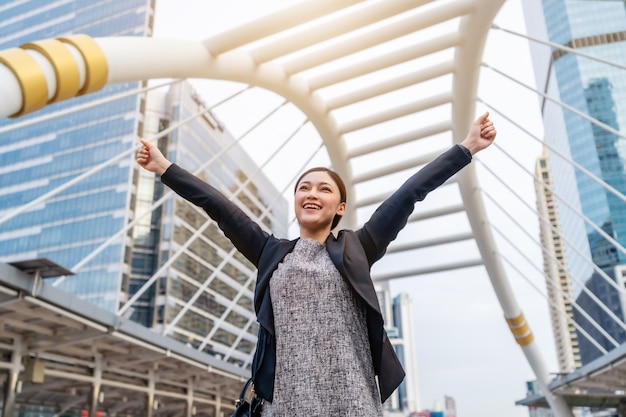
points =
(57, 150)
(506, 335)
(597, 90)
(158, 270)
(445, 368)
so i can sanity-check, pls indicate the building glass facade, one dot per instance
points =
(38, 158)
(599, 91)
(173, 270)
(204, 294)
(398, 317)
(558, 282)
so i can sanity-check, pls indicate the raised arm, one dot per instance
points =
(245, 234)
(393, 213)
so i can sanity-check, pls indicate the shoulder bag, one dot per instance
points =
(248, 404)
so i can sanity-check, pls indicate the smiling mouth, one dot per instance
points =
(311, 206)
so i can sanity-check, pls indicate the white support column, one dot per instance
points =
(189, 407)
(467, 62)
(150, 400)
(12, 382)
(96, 386)
(218, 406)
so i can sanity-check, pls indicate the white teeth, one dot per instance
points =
(311, 206)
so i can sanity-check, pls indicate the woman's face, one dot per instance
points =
(317, 201)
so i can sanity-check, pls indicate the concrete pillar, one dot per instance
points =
(12, 382)
(94, 395)
(150, 403)
(189, 407)
(218, 405)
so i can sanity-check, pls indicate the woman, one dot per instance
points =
(321, 339)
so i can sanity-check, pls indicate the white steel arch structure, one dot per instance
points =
(311, 53)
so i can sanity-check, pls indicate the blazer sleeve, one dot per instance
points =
(392, 215)
(245, 234)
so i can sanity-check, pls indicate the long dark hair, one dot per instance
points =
(337, 179)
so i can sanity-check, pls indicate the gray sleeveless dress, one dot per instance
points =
(323, 360)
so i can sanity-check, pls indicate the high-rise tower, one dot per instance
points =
(42, 156)
(398, 316)
(170, 269)
(598, 90)
(203, 291)
(555, 267)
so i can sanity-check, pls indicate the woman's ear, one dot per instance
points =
(341, 209)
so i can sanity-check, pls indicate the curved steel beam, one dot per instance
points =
(467, 69)
(42, 72)
(135, 58)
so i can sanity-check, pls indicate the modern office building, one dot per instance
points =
(204, 291)
(408, 391)
(171, 269)
(38, 158)
(556, 271)
(386, 307)
(398, 316)
(598, 90)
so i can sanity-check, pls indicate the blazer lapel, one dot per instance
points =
(272, 255)
(348, 256)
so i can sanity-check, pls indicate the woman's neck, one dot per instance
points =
(320, 235)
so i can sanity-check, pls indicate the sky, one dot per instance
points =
(464, 347)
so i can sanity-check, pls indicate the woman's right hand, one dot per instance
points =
(151, 158)
(482, 133)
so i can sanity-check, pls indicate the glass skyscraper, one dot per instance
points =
(597, 28)
(171, 269)
(36, 159)
(204, 292)
(558, 282)
(398, 316)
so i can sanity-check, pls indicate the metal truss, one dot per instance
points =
(367, 75)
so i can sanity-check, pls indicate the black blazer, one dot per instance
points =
(352, 252)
